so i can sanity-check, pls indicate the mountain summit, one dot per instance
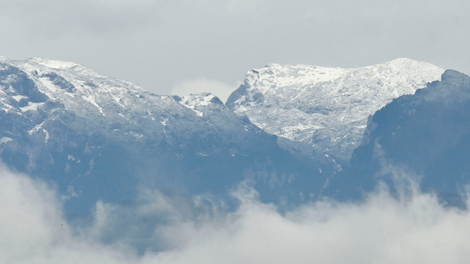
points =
(325, 108)
(98, 138)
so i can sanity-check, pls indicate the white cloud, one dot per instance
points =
(220, 89)
(32, 229)
(382, 229)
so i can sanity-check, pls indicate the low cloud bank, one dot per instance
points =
(165, 227)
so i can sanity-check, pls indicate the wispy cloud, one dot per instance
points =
(171, 228)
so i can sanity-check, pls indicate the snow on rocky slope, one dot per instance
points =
(98, 138)
(118, 109)
(325, 108)
(422, 138)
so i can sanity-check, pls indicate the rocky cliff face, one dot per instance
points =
(317, 110)
(426, 135)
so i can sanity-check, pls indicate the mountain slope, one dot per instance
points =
(98, 138)
(325, 108)
(427, 135)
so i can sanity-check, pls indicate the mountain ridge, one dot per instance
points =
(325, 108)
(425, 134)
(99, 138)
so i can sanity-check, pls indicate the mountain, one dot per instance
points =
(426, 135)
(322, 111)
(98, 138)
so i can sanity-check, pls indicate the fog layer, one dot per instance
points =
(167, 227)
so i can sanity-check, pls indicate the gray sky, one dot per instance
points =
(194, 45)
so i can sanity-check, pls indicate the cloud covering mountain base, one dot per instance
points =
(161, 227)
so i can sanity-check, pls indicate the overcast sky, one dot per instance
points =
(194, 45)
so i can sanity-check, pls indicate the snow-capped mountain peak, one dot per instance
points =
(99, 138)
(326, 108)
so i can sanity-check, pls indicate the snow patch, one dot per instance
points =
(91, 100)
(46, 82)
(31, 107)
(46, 137)
(5, 140)
(121, 115)
(54, 64)
(137, 135)
(19, 97)
(35, 129)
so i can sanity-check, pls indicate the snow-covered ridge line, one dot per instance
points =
(116, 108)
(326, 108)
(101, 138)
(91, 91)
(53, 64)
